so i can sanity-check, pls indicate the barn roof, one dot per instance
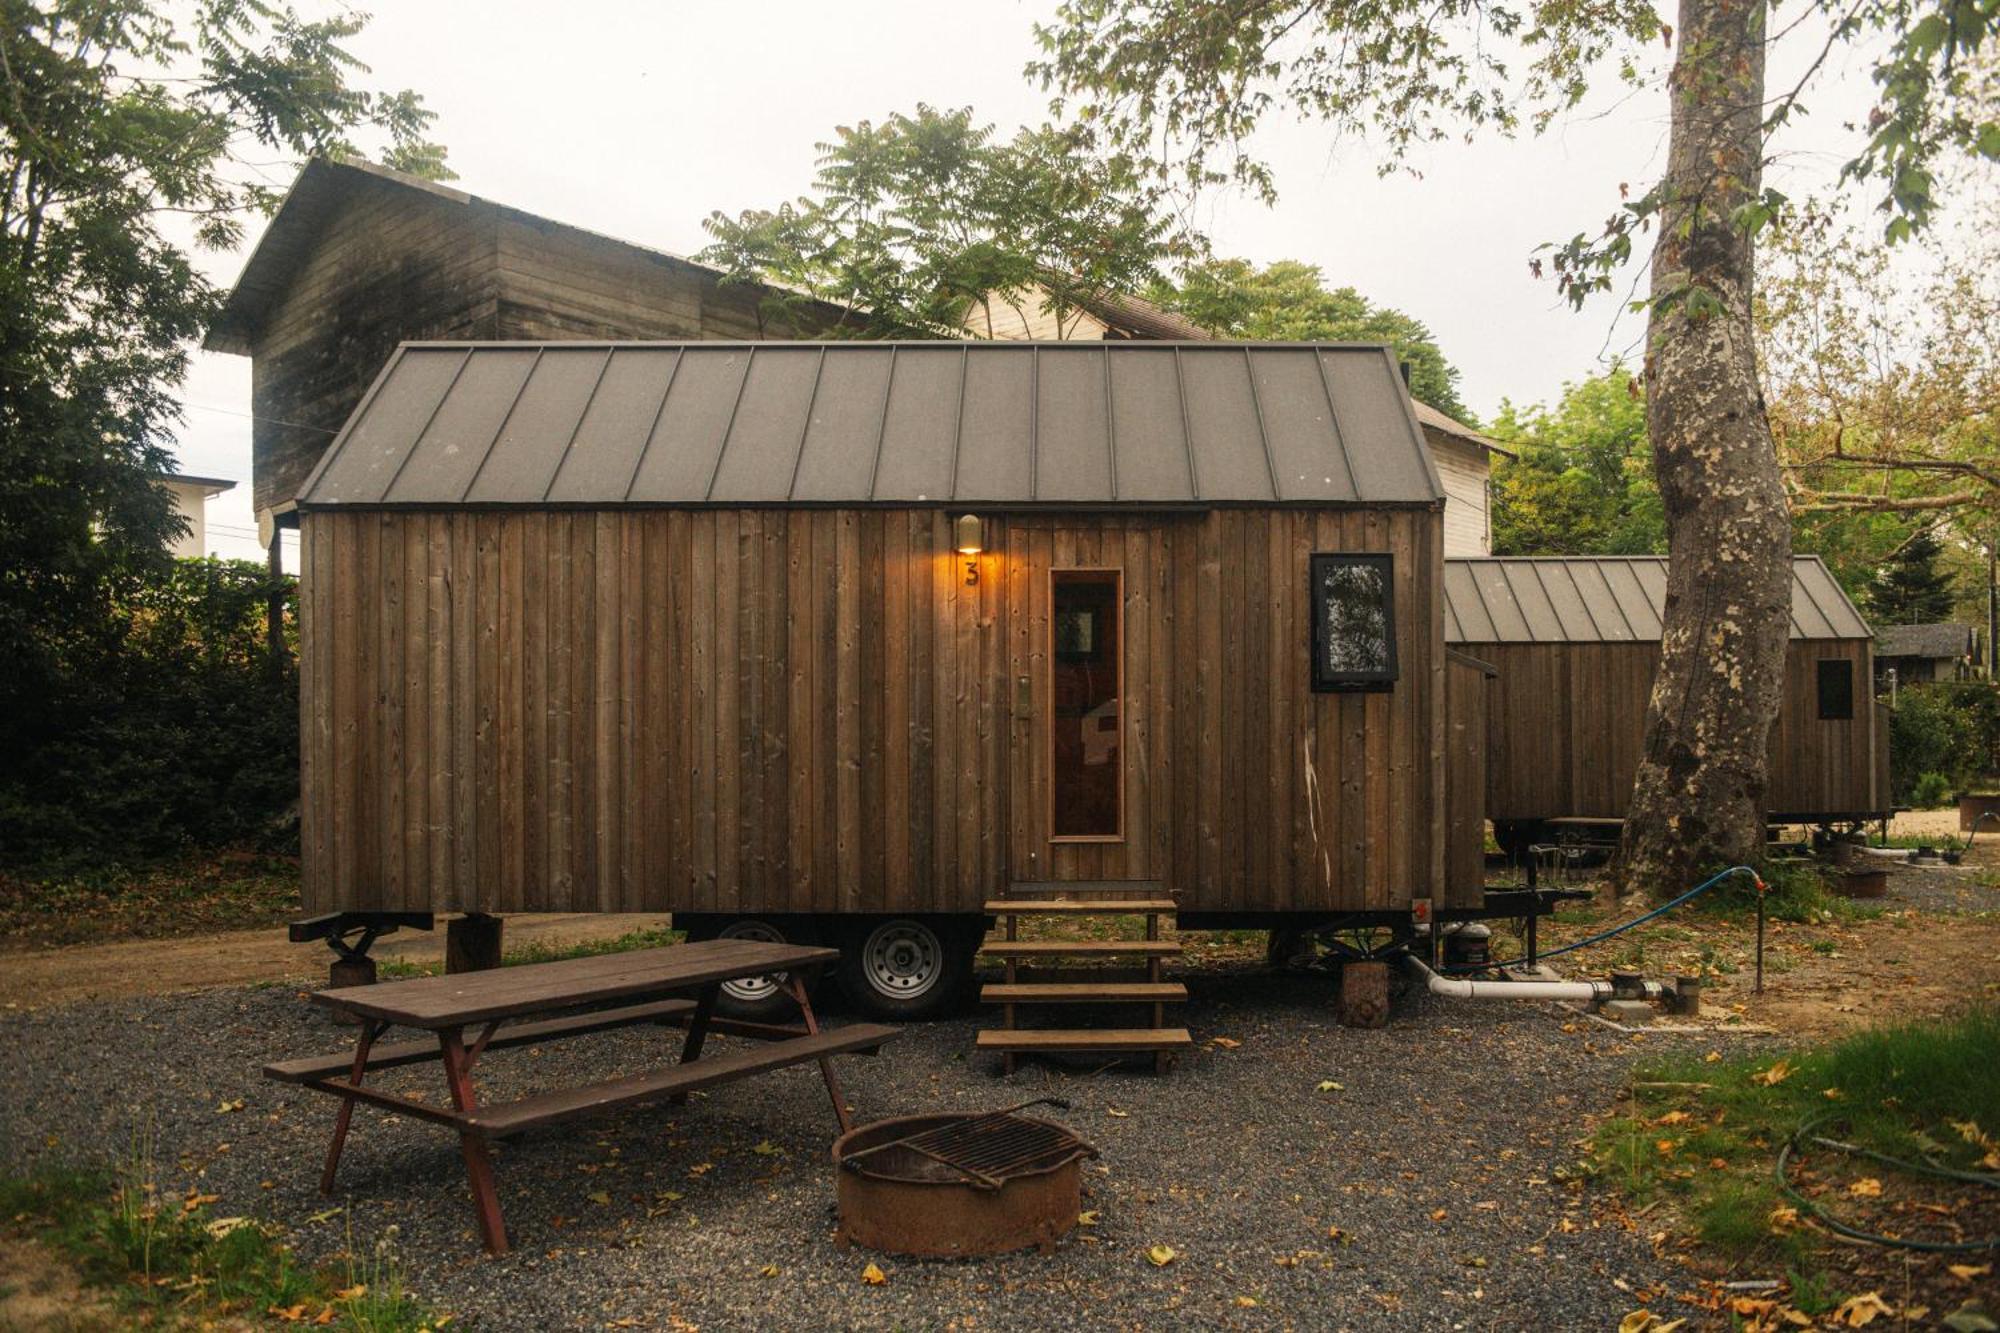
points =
(1138, 423)
(1939, 640)
(1607, 599)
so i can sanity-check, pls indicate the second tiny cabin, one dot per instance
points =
(829, 635)
(1576, 641)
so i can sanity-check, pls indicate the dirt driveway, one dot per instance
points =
(39, 978)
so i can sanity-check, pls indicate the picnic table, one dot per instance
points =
(469, 1014)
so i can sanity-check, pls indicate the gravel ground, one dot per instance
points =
(1438, 1158)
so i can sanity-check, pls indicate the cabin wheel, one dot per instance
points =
(761, 999)
(906, 967)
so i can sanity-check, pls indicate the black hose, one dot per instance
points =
(1870, 1237)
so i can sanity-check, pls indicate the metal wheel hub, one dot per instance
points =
(753, 990)
(903, 959)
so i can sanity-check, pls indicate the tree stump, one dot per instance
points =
(1364, 995)
(472, 943)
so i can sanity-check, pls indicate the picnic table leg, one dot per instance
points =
(478, 1159)
(370, 1030)
(697, 1033)
(795, 986)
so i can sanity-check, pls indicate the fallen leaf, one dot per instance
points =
(1247, 1302)
(1831, 1094)
(1328, 1085)
(1866, 1188)
(768, 1270)
(1783, 1218)
(1713, 1058)
(222, 1226)
(1775, 1075)
(1639, 1321)
(1665, 1147)
(1226, 1043)
(1345, 1237)
(622, 1323)
(226, 1108)
(325, 1315)
(1116, 1113)
(767, 1149)
(1970, 1318)
(874, 1276)
(291, 1314)
(1087, 1218)
(1967, 1272)
(353, 1293)
(1674, 1118)
(600, 1196)
(701, 1168)
(1159, 1256)
(1860, 1311)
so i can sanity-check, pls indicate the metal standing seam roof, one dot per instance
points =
(1140, 423)
(1607, 599)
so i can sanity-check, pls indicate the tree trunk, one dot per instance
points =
(1697, 803)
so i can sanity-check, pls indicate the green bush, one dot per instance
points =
(1951, 729)
(165, 727)
(1932, 790)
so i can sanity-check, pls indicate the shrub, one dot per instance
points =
(166, 727)
(1932, 790)
(1950, 728)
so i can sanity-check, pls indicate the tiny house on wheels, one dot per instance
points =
(832, 642)
(1576, 641)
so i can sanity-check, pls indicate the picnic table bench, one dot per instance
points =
(518, 1006)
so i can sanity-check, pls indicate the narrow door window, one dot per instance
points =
(1086, 787)
(1353, 622)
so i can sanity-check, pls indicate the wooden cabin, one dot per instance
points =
(822, 635)
(360, 258)
(1576, 641)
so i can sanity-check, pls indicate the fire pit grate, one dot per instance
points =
(958, 1185)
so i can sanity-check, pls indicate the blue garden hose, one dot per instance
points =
(1663, 908)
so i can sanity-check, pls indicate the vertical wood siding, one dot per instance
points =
(810, 710)
(1568, 721)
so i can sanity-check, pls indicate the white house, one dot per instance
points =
(1463, 456)
(191, 497)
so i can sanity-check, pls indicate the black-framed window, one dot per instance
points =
(1353, 622)
(1836, 689)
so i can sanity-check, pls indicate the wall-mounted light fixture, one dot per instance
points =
(971, 540)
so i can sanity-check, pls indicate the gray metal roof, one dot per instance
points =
(1140, 423)
(1607, 599)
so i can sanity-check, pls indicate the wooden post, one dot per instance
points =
(472, 943)
(274, 602)
(1364, 994)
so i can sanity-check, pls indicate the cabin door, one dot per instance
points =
(1081, 721)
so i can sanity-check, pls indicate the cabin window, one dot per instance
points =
(1836, 690)
(1353, 622)
(1086, 788)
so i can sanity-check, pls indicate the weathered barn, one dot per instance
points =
(1576, 641)
(688, 627)
(360, 258)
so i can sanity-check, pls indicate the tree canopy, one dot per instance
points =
(132, 133)
(925, 220)
(1582, 483)
(1289, 301)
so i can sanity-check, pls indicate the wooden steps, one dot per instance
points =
(1084, 949)
(1060, 992)
(1070, 901)
(1070, 1040)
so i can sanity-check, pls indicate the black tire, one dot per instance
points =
(758, 999)
(907, 968)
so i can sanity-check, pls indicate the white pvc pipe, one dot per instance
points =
(1517, 990)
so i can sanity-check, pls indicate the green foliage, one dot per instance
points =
(538, 951)
(1704, 1133)
(1289, 301)
(927, 222)
(1909, 588)
(167, 728)
(168, 1259)
(1950, 728)
(1931, 790)
(1583, 482)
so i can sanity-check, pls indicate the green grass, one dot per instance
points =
(1708, 1140)
(536, 951)
(166, 1258)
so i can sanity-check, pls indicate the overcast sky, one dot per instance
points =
(638, 119)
